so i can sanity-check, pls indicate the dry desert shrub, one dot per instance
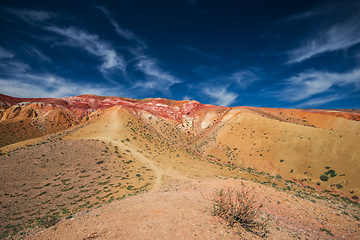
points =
(239, 207)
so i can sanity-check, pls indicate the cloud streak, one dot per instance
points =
(124, 33)
(334, 30)
(46, 86)
(19, 79)
(311, 83)
(330, 31)
(5, 53)
(338, 37)
(31, 16)
(36, 53)
(217, 89)
(156, 77)
(92, 44)
(13, 67)
(111, 57)
(243, 78)
(221, 96)
(321, 100)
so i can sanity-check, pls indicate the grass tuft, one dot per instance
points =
(239, 207)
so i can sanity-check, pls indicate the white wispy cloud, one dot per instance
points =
(332, 30)
(308, 84)
(13, 67)
(20, 80)
(73, 37)
(5, 53)
(329, 30)
(113, 59)
(31, 16)
(156, 77)
(122, 32)
(243, 78)
(303, 16)
(45, 85)
(327, 9)
(220, 95)
(338, 37)
(92, 44)
(224, 90)
(187, 98)
(314, 102)
(36, 53)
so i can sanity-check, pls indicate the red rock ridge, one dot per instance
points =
(84, 105)
(161, 107)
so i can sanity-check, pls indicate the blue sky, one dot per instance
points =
(290, 54)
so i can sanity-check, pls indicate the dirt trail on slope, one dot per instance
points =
(111, 133)
(112, 136)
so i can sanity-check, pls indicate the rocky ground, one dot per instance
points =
(182, 210)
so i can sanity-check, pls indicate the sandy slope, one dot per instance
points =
(296, 152)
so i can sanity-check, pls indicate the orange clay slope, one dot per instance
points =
(298, 145)
(295, 152)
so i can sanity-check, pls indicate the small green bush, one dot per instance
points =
(338, 186)
(331, 172)
(327, 231)
(324, 178)
(48, 221)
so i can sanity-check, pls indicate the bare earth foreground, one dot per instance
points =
(180, 211)
(131, 173)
